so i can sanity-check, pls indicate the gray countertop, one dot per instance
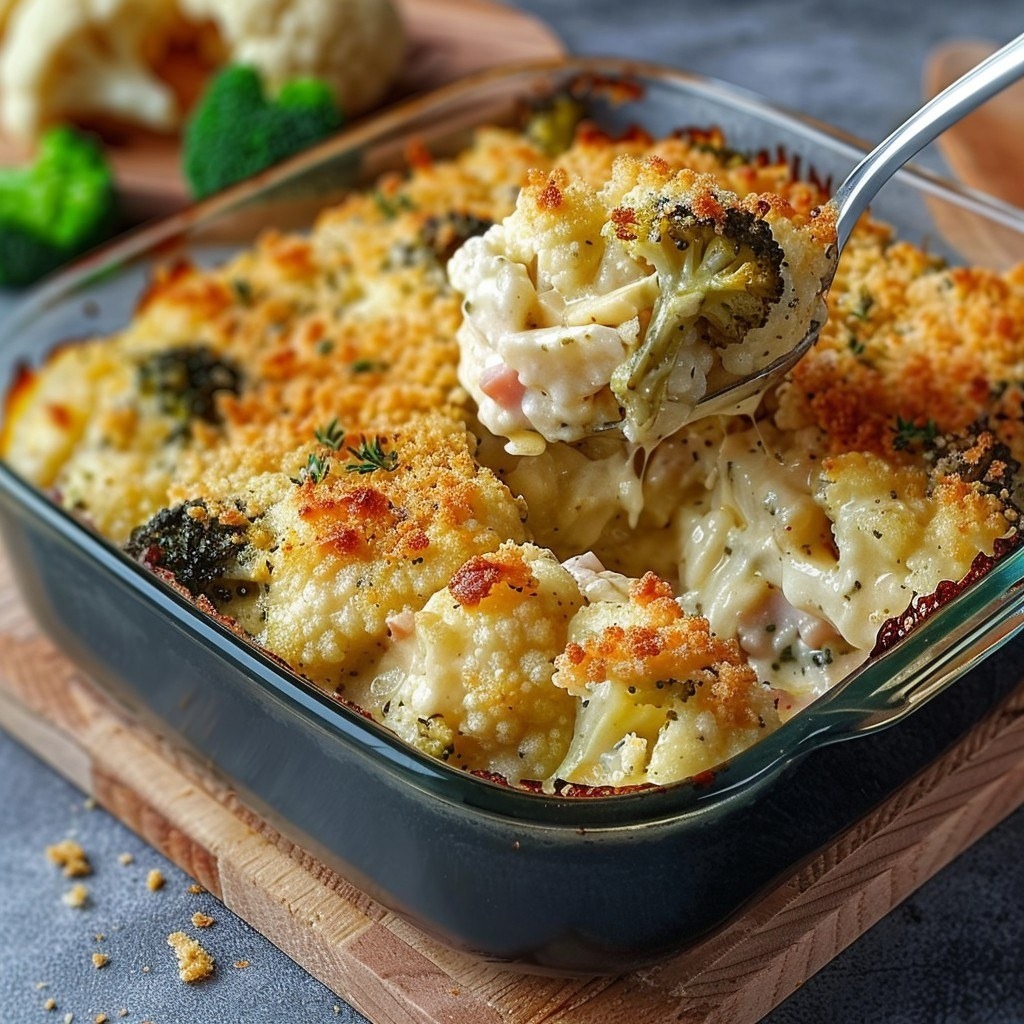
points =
(953, 953)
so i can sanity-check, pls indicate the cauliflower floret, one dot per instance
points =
(355, 46)
(71, 59)
(351, 549)
(911, 534)
(591, 307)
(478, 691)
(661, 697)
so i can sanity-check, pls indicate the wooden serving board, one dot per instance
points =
(392, 972)
(448, 39)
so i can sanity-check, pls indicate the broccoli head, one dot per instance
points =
(977, 456)
(55, 209)
(185, 381)
(236, 131)
(719, 273)
(196, 547)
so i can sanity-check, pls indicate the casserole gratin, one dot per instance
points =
(297, 438)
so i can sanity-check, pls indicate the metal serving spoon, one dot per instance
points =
(852, 197)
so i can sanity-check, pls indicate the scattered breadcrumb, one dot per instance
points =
(77, 896)
(146, 969)
(71, 857)
(201, 920)
(100, 1018)
(155, 880)
(196, 889)
(126, 859)
(41, 984)
(99, 937)
(337, 1009)
(241, 964)
(68, 1018)
(100, 960)
(194, 963)
(122, 1012)
(50, 1004)
(89, 803)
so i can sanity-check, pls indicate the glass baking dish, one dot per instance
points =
(596, 884)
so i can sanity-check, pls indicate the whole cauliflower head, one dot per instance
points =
(72, 59)
(355, 46)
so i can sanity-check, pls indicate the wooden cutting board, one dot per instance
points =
(393, 973)
(447, 40)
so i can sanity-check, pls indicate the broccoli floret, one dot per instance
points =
(55, 209)
(188, 542)
(551, 127)
(444, 233)
(719, 274)
(979, 457)
(185, 382)
(236, 131)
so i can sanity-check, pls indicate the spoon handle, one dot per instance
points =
(979, 84)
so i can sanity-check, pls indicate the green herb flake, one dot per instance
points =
(863, 307)
(332, 436)
(242, 290)
(369, 366)
(908, 433)
(392, 206)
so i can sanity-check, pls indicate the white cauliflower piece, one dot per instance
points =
(661, 697)
(353, 551)
(75, 59)
(589, 307)
(355, 46)
(6, 10)
(478, 690)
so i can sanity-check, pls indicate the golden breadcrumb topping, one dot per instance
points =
(285, 438)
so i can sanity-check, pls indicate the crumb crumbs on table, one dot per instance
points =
(50, 1004)
(70, 857)
(196, 889)
(201, 920)
(125, 859)
(241, 964)
(100, 960)
(76, 897)
(194, 963)
(155, 880)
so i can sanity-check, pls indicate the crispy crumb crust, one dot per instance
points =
(665, 645)
(355, 325)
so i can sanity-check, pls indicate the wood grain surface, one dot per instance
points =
(986, 148)
(393, 973)
(447, 40)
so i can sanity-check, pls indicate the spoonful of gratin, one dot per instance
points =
(657, 297)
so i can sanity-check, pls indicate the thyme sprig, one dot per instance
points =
(318, 464)
(315, 469)
(372, 456)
